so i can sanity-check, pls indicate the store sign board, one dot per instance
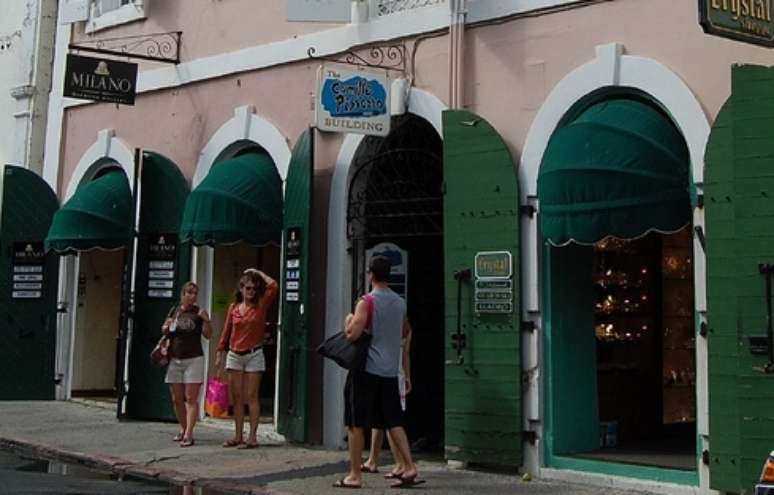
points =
(27, 264)
(293, 251)
(494, 264)
(353, 100)
(162, 253)
(98, 79)
(743, 20)
(493, 287)
(319, 10)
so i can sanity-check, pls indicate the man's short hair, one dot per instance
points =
(379, 267)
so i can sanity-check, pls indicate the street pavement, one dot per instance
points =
(83, 433)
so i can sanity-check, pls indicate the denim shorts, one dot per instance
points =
(185, 370)
(250, 363)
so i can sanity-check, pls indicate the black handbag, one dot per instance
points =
(349, 355)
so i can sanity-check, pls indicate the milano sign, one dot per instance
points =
(742, 20)
(97, 79)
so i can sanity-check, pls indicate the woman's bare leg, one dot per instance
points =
(252, 385)
(177, 391)
(191, 407)
(236, 388)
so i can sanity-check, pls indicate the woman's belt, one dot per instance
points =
(248, 351)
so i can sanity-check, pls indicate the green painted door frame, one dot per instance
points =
(294, 335)
(569, 389)
(28, 287)
(164, 191)
(483, 350)
(739, 199)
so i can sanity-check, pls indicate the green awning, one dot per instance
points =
(239, 200)
(620, 169)
(98, 215)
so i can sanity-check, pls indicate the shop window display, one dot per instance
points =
(644, 329)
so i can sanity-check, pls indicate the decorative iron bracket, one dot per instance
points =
(157, 47)
(389, 57)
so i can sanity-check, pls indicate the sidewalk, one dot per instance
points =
(90, 435)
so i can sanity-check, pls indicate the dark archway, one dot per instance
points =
(396, 196)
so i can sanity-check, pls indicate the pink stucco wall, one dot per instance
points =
(510, 67)
(178, 123)
(213, 26)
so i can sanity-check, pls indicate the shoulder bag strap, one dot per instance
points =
(369, 299)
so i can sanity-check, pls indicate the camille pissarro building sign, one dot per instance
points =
(96, 79)
(742, 20)
(353, 100)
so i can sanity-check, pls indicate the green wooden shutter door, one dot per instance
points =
(739, 199)
(294, 350)
(27, 326)
(164, 191)
(483, 394)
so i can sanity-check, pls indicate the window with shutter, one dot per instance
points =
(109, 13)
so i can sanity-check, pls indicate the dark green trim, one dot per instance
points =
(662, 475)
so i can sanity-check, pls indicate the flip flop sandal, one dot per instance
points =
(407, 482)
(232, 443)
(343, 483)
(366, 469)
(248, 446)
(187, 442)
(392, 475)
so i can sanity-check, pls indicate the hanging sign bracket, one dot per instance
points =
(389, 57)
(157, 47)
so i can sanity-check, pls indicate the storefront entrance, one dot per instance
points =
(97, 324)
(230, 263)
(618, 290)
(633, 383)
(236, 212)
(395, 209)
(96, 224)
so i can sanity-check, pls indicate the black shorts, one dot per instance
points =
(372, 401)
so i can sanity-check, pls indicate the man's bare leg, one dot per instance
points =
(355, 440)
(400, 441)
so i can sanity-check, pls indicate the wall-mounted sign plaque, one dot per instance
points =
(98, 79)
(353, 100)
(742, 20)
(27, 270)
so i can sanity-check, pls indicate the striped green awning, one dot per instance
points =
(239, 200)
(620, 169)
(98, 215)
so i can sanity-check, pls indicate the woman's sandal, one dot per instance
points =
(233, 443)
(368, 469)
(406, 482)
(392, 475)
(178, 437)
(187, 442)
(247, 446)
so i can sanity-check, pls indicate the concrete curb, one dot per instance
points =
(127, 467)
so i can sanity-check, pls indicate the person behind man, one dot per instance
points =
(372, 395)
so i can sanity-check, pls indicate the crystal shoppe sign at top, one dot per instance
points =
(353, 100)
(742, 20)
(97, 79)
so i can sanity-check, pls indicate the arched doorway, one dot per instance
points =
(615, 204)
(236, 212)
(395, 206)
(95, 224)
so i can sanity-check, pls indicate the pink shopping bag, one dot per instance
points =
(216, 401)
